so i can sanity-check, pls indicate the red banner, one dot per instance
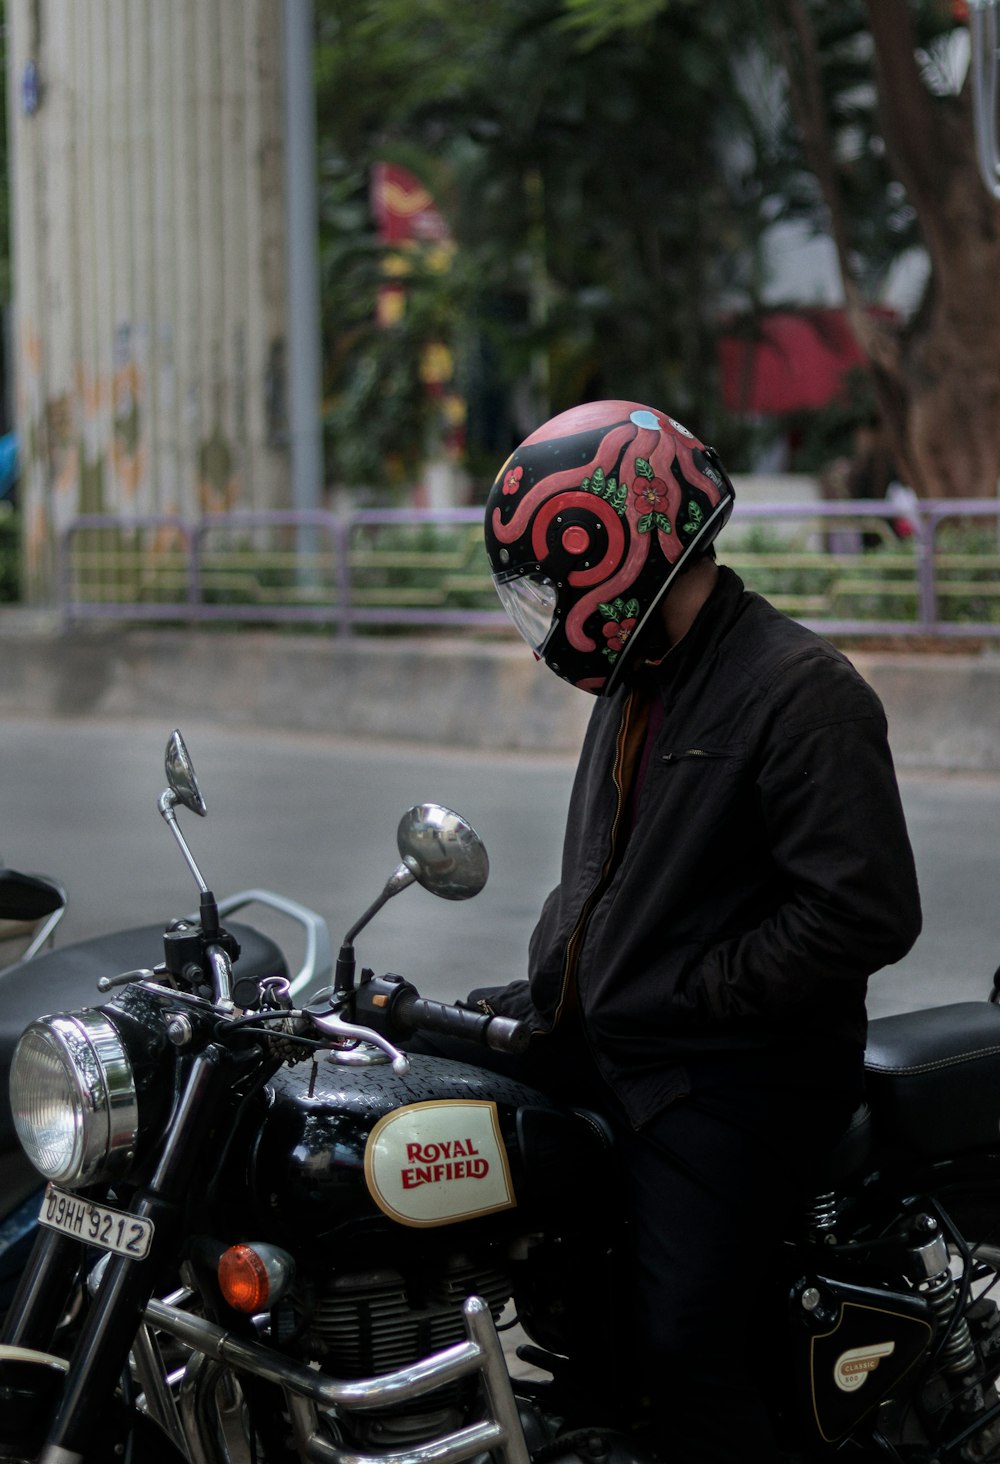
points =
(404, 210)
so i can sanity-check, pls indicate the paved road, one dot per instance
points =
(316, 818)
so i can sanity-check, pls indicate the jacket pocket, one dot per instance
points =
(731, 755)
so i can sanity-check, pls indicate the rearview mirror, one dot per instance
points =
(181, 777)
(442, 851)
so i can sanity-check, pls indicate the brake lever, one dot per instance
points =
(335, 1026)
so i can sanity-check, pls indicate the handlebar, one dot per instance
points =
(393, 1006)
(415, 1013)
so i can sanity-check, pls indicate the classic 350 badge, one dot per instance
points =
(438, 1162)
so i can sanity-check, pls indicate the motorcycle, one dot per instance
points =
(269, 1232)
(31, 908)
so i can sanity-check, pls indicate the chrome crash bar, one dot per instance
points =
(308, 1391)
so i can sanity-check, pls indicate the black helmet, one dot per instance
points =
(587, 524)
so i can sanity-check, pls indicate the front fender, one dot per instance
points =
(30, 1384)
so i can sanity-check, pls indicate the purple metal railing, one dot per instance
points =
(924, 518)
(320, 538)
(158, 568)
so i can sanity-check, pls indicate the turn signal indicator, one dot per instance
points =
(254, 1275)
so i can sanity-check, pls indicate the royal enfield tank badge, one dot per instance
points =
(438, 1162)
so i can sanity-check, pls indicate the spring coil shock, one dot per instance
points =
(940, 1289)
(821, 1218)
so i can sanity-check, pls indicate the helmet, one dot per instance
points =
(587, 524)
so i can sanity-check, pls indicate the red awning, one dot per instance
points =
(794, 361)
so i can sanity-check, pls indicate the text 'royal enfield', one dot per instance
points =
(268, 1233)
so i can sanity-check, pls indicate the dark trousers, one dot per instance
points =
(711, 1187)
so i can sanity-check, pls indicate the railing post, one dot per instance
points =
(194, 539)
(62, 576)
(342, 541)
(926, 580)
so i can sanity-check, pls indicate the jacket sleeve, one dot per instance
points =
(834, 824)
(512, 1000)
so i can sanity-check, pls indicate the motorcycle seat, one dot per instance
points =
(65, 980)
(933, 1078)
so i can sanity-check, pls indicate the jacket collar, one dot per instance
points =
(707, 630)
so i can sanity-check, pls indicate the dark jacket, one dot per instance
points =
(764, 873)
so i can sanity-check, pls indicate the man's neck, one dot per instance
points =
(682, 602)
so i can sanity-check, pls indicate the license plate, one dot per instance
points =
(100, 1225)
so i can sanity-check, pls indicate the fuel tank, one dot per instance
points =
(447, 1144)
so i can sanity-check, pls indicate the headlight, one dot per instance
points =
(73, 1095)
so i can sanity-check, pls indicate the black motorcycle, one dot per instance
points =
(269, 1233)
(36, 979)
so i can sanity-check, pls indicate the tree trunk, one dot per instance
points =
(950, 372)
(937, 378)
(950, 357)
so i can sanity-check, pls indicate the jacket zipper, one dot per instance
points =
(576, 939)
(693, 752)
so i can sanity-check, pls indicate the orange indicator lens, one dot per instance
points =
(243, 1279)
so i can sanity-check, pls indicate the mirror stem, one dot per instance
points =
(398, 880)
(166, 805)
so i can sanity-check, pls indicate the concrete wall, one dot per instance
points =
(944, 711)
(147, 143)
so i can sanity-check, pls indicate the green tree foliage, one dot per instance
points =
(876, 126)
(608, 170)
(600, 208)
(891, 76)
(377, 64)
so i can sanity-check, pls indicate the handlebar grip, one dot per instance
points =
(504, 1034)
(500, 1033)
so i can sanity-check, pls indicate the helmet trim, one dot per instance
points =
(722, 509)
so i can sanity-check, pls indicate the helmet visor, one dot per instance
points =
(530, 601)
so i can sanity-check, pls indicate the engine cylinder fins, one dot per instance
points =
(373, 1322)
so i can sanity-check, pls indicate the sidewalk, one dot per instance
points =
(943, 710)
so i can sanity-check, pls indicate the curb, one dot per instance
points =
(943, 710)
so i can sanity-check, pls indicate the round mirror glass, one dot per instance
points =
(442, 851)
(180, 775)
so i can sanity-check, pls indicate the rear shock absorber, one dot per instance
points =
(822, 1217)
(938, 1286)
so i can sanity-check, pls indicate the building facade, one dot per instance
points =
(150, 333)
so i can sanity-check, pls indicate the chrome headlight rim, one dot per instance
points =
(100, 1123)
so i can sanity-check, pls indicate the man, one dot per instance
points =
(735, 867)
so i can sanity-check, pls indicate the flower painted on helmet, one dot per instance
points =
(620, 619)
(649, 494)
(617, 634)
(512, 481)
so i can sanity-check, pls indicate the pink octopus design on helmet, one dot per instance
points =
(602, 503)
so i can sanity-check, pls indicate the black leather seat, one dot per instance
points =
(933, 1079)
